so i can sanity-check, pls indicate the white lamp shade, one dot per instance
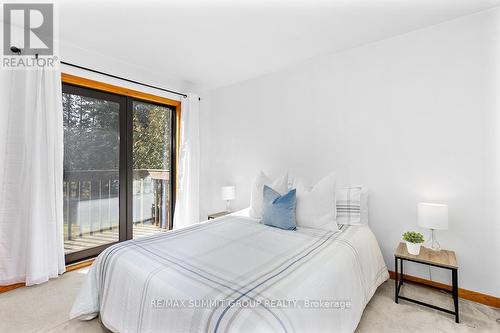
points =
(228, 192)
(432, 216)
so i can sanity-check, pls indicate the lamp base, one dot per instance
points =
(434, 244)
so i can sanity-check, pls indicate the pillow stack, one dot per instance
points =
(321, 206)
(311, 207)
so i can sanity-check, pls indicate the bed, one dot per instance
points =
(233, 274)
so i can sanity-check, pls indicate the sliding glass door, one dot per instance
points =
(118, 175)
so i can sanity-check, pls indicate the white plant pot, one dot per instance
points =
(413, 248)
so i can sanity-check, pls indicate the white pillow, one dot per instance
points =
(352, 205)
(280, 185)
(316, 205)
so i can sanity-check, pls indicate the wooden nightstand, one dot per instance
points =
(443, 259)
(216, 215)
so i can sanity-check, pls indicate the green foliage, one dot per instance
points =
(151, 136)
(92, 134)
(413, 237)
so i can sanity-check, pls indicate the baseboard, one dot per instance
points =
(78, 265)
(462, 293)
(11, 287)
(69, 268)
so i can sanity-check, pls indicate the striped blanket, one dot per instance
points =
(234, 274)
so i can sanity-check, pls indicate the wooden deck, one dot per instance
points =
(105, 237)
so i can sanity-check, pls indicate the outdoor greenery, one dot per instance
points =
(92, 134)
(151, 136)
(413, 237)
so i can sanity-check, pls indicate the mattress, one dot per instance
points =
(234, 274)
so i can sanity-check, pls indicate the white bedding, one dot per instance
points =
(259, 279)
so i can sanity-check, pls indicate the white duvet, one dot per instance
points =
(235, 275)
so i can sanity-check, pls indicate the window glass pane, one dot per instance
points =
(151, 168)
(91, 176)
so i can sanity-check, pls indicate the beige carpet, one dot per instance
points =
(45, 308)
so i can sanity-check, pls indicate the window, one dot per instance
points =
(119, 166)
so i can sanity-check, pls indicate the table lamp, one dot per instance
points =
(435, 217)
(228, 193)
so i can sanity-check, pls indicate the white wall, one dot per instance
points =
(414, 118)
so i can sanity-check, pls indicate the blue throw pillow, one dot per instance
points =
(279, 210)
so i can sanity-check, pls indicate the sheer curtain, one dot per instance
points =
(188, 186)
(31, 176)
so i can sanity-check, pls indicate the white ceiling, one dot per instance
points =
(216, 43)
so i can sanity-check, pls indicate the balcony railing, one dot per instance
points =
(91, 200)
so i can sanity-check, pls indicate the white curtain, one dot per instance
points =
(188, 185)
(31, 176)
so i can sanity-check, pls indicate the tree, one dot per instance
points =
(151, 136)
(92, 134)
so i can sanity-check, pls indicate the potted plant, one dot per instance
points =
(413, 241)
